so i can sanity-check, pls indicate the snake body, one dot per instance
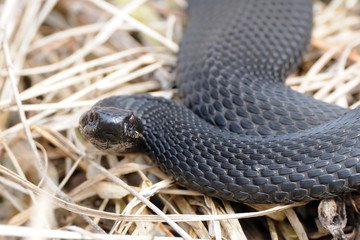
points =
(240, 134)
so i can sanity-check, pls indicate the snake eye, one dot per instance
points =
(132, 120)
(133, 126)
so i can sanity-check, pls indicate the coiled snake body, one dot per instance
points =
(243, 135)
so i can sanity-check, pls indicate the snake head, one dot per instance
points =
(112, 130)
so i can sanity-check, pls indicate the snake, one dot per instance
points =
(238, 133)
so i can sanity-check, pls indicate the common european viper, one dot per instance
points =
(240, 134)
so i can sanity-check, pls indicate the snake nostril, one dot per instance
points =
(92, 116)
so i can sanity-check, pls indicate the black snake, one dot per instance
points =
(243, 135)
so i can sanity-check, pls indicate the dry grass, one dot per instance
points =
(58, 58)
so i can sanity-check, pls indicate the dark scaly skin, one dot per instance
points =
(235, 56)
(282, 146)
(312, 164)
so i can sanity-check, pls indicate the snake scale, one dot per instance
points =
(239, 133)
